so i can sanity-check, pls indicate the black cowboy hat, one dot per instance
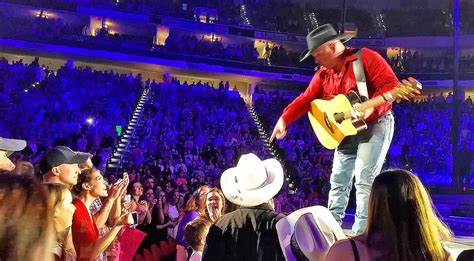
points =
(319, 36)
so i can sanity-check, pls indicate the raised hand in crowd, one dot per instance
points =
(144, 212)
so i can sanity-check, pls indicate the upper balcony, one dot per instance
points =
(372, 19)
(235, 49)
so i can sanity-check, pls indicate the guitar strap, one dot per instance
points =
(360, 76)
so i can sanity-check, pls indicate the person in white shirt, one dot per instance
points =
(173, 212)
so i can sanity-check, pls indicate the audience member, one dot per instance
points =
(308, 233)
(136, 194)
(7, 147)
(173, 212)
(26, 225)
(248, 233)
(24, 167)
(402, 224)
(90, 186)
(195, 207)
(105, 210)
(60, 165)
(465, 162)
(215, 204)
(60, 204)
(195, 234)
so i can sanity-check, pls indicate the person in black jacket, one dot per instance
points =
(465, 162)
(249, 232)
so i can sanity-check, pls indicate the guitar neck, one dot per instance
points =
(398, 92)
(374, 102)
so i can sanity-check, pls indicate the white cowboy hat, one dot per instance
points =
(253, 181)
(309, 233)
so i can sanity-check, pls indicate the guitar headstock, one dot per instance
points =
(407, 89)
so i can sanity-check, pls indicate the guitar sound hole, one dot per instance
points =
(328, 123)
(339, 117)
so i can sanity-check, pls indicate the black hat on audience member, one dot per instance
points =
(59, 155)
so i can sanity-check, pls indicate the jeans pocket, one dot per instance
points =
(379, 128)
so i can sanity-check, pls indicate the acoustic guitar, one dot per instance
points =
(332, 120)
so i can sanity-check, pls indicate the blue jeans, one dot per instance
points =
(360, 156)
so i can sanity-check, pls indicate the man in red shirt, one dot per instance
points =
(361, 155)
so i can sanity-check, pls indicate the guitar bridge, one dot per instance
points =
(360, 125)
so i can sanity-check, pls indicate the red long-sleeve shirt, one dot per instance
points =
(327, 83)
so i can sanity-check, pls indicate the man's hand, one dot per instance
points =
(280, 130)
(355, 113)
(414, 87)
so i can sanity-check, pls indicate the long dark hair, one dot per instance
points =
(401, 210)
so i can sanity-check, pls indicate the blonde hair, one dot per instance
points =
(197, 201)
(400, 208)
(26, 226)
(57, 193)
(195, 233)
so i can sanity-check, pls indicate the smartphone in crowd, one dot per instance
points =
(127, 199)
(134, 219)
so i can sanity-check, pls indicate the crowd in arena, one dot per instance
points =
(187, 138)
(418, 63)
(190, 44)
(73, 106)
(175, 132)
(287, 16)
(198, 179)
(60, 32)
